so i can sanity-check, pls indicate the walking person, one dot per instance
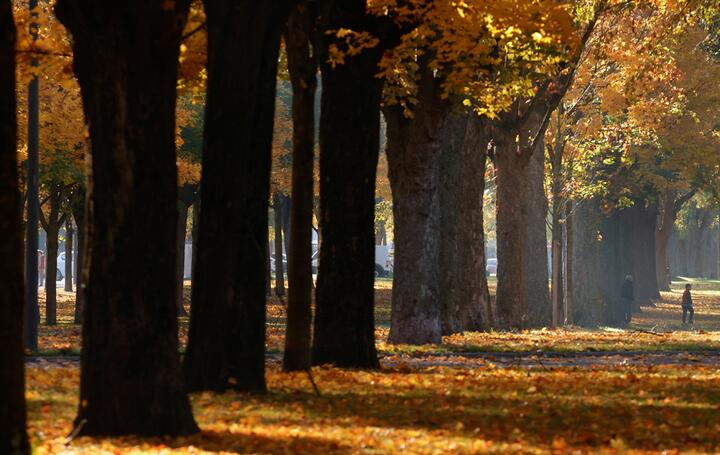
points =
(627, 298)
(687, 304)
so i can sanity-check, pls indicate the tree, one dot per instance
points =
(344, 326)
(464, 295)
(302, 68)
(279, 201)
(69, 259)
(13, 432)
(125, 58)
(226, 346)
(413, 151)
(440, 45)
(51, 223)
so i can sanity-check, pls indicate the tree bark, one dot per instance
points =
(700, 221)
(536, 256)
(226, 345)
(77, 206)
(556, 187)
(413, 153)
(303, 76)
(52, 225)
(13, 432)
(51, 276)
(464, 295)
(522, 298)
(69, 234)
(125, 58)
(586, 278)
(344, 327)
(279, 244)
(569, 264)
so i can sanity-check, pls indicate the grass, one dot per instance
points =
(422, 410)
(663, 320)
(411, 408)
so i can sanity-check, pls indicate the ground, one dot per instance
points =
(546, 391)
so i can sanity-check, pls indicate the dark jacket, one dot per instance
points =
(687, 298)
(628, 290)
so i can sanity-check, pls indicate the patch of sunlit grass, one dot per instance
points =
(426, 410)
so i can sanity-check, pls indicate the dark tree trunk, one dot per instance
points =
(126, 62)
(186, 197)
(303, 75)
(522, 298)
(69, 234)
(536, 256)
(32, 182)
(413, 153)
(666, 220)
(277, 224)
(569, 264)
(699, 226)
(51, 224)
(227, 329)
(585, 275)
(285, 208)
(13, 432)
(268, 271)
(465, 300)
(78, 211)
(556, 153)
(51, 275)
(194, 233)
(647, 288)
(344, 327)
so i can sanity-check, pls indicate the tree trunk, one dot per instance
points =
(556, 187)
(522, 298)
(586, 278)
(126, 62)
(344, 327)
(671, 204)
(13, 432)
(700, 222)
(268, 271)
(537, 293)
(303, 75)
(413, 153)
(32, 181)
(569, 264)
(69, 234)
(285, 208)
(226, 345)
(51, 273)
(51, 224)
(279, 246)
(78, 212)
(465, 300)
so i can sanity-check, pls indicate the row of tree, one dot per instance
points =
(459, 82)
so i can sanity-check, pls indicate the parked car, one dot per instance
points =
(61, 265)
(491, 267)
(313, 262)
(272, 263)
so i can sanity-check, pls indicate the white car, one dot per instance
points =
(61, 266)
